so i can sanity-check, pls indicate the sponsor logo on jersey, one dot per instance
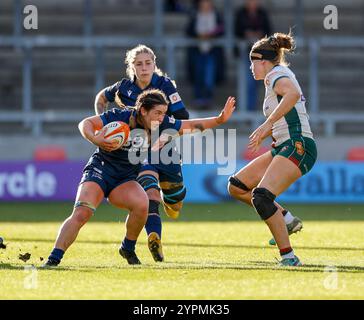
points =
(172, 120)
(129, 93)
(174, 98)
(299, 148)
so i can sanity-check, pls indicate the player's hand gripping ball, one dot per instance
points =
(117, 131)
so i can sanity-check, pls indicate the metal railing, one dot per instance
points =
(170, 45)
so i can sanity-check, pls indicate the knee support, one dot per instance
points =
(148, 181)
(237, 183)
(85, 204)
(174, 195)
(263, 202)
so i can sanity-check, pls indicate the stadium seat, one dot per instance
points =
(248, 155)
(355, 154)
(49, 153)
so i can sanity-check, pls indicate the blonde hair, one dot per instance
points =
(281, 43)
(131, 56)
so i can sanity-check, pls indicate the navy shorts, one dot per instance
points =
(167, 172)
(105, 181)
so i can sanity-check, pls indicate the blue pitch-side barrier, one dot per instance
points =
(328, 182)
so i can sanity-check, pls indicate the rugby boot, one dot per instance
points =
(174, 214)
(155, 247)
(290, 262)
(130, 256)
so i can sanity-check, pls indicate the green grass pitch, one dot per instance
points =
(214, 251)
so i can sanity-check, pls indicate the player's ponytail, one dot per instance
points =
(284, 41)
(274, 48)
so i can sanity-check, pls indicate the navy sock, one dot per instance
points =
(56, 255)
(154, 222)
(128, 244)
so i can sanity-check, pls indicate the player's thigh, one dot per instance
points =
(254, 171)
(129, 195)
(280, 174)
(90, 192)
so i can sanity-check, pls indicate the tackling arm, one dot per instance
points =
(208, 123)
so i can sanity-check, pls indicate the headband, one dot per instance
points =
(262, 54)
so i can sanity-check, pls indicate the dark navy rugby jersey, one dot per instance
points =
(115, 163)
(129, 91)
(137, 146)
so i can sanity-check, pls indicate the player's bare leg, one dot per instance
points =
(280, 174)
(249, 177)
(89, 197)
(130, 195)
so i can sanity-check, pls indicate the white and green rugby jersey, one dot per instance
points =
(295, 123)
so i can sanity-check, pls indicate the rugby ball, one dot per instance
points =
(117, 130)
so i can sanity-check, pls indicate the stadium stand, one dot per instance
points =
(63, 77)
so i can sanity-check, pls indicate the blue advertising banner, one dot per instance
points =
(327, 182)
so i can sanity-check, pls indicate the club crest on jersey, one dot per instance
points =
(174, 98)
(299, 148)
(129, 93)
(267, 82)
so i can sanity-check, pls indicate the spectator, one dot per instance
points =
(251, 23)
(205, 62)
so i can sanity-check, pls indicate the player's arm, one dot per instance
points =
(181, 114)
(101, 102)
(208, 123)
(176, 106)
(105, 96)
(290, 95)
(89, 127)
(283, 87)
(188, 126)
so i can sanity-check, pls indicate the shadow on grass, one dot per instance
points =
(194, 245)
(9, 266)
(192, 265)
(211, 212)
